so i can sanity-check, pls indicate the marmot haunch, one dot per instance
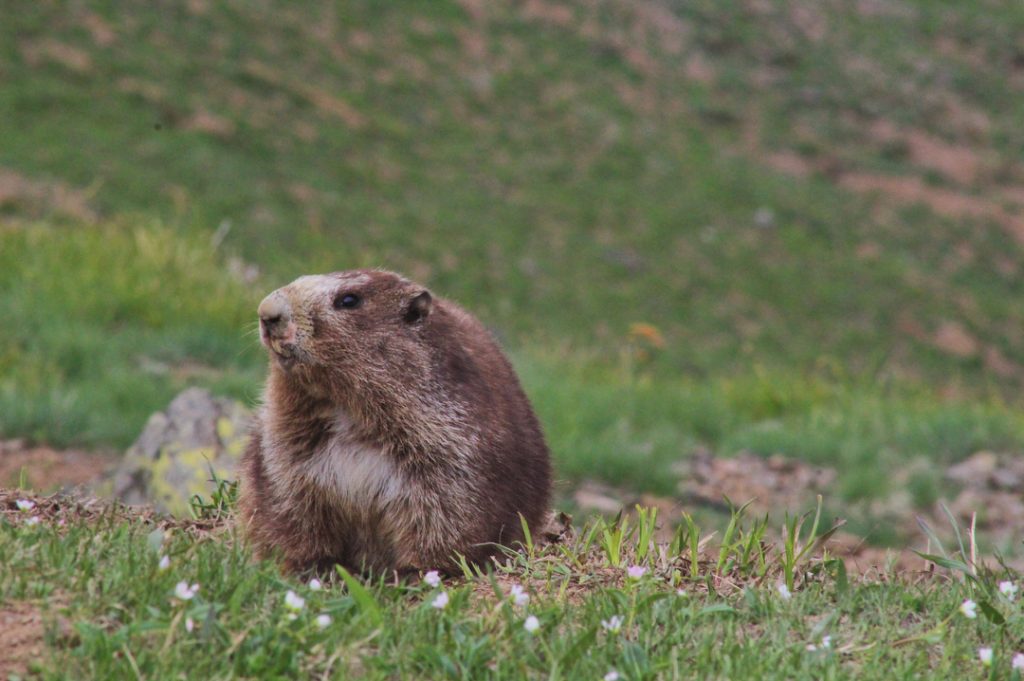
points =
(393, 433)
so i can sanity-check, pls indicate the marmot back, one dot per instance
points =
(393, 434)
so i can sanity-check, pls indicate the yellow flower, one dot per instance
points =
(648, 333)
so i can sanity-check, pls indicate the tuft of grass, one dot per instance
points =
(222, 502)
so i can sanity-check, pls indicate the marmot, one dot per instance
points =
(393, 433)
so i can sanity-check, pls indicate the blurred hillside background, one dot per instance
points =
(736, 227)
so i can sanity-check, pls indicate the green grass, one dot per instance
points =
(565, 183)
(141, 310)
(567, 171)
(612, 424)
(114, 320)
(111, 322)
(110, 611)
(564, 178)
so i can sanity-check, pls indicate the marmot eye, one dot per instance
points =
(346, 300)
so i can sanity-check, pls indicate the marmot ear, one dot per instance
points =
(419, 307)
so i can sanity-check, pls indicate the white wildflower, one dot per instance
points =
(315, 584)
(323, 621)
(636, 571)
(531, 624)
(164, 563)
(1018, 661)
(985, 655)
(518, 595)
(764, 217)
(826, 643)
(612, 675)
(784, 591)
(34, 520)
(613, 625)
(189, 624)
(969, 609)
(681, 593)
(432, 578)
(1008, 589)
(440, 601)
(294, 601)
(25, 504)
(185, 592)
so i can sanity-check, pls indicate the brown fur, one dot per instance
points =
(392, 436)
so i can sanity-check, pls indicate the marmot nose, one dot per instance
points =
(274, 312)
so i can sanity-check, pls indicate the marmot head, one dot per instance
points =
(347, 328)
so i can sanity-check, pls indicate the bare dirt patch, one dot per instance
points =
(21, 638)
(205, 121)
(954, 339)
(49, 469)
(548, 12)
(321, 99)
(36, 198)
(959, 163)
(101, 31)
(768, 483)
(50, 50)
(992, 491)
(791, 163)
(700, 69)
(947, 202)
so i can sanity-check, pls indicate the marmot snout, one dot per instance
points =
(394, 434)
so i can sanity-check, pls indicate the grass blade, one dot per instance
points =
(363, 598)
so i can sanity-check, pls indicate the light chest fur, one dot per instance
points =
(354, 474)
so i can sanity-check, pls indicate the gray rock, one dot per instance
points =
(171, 460)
